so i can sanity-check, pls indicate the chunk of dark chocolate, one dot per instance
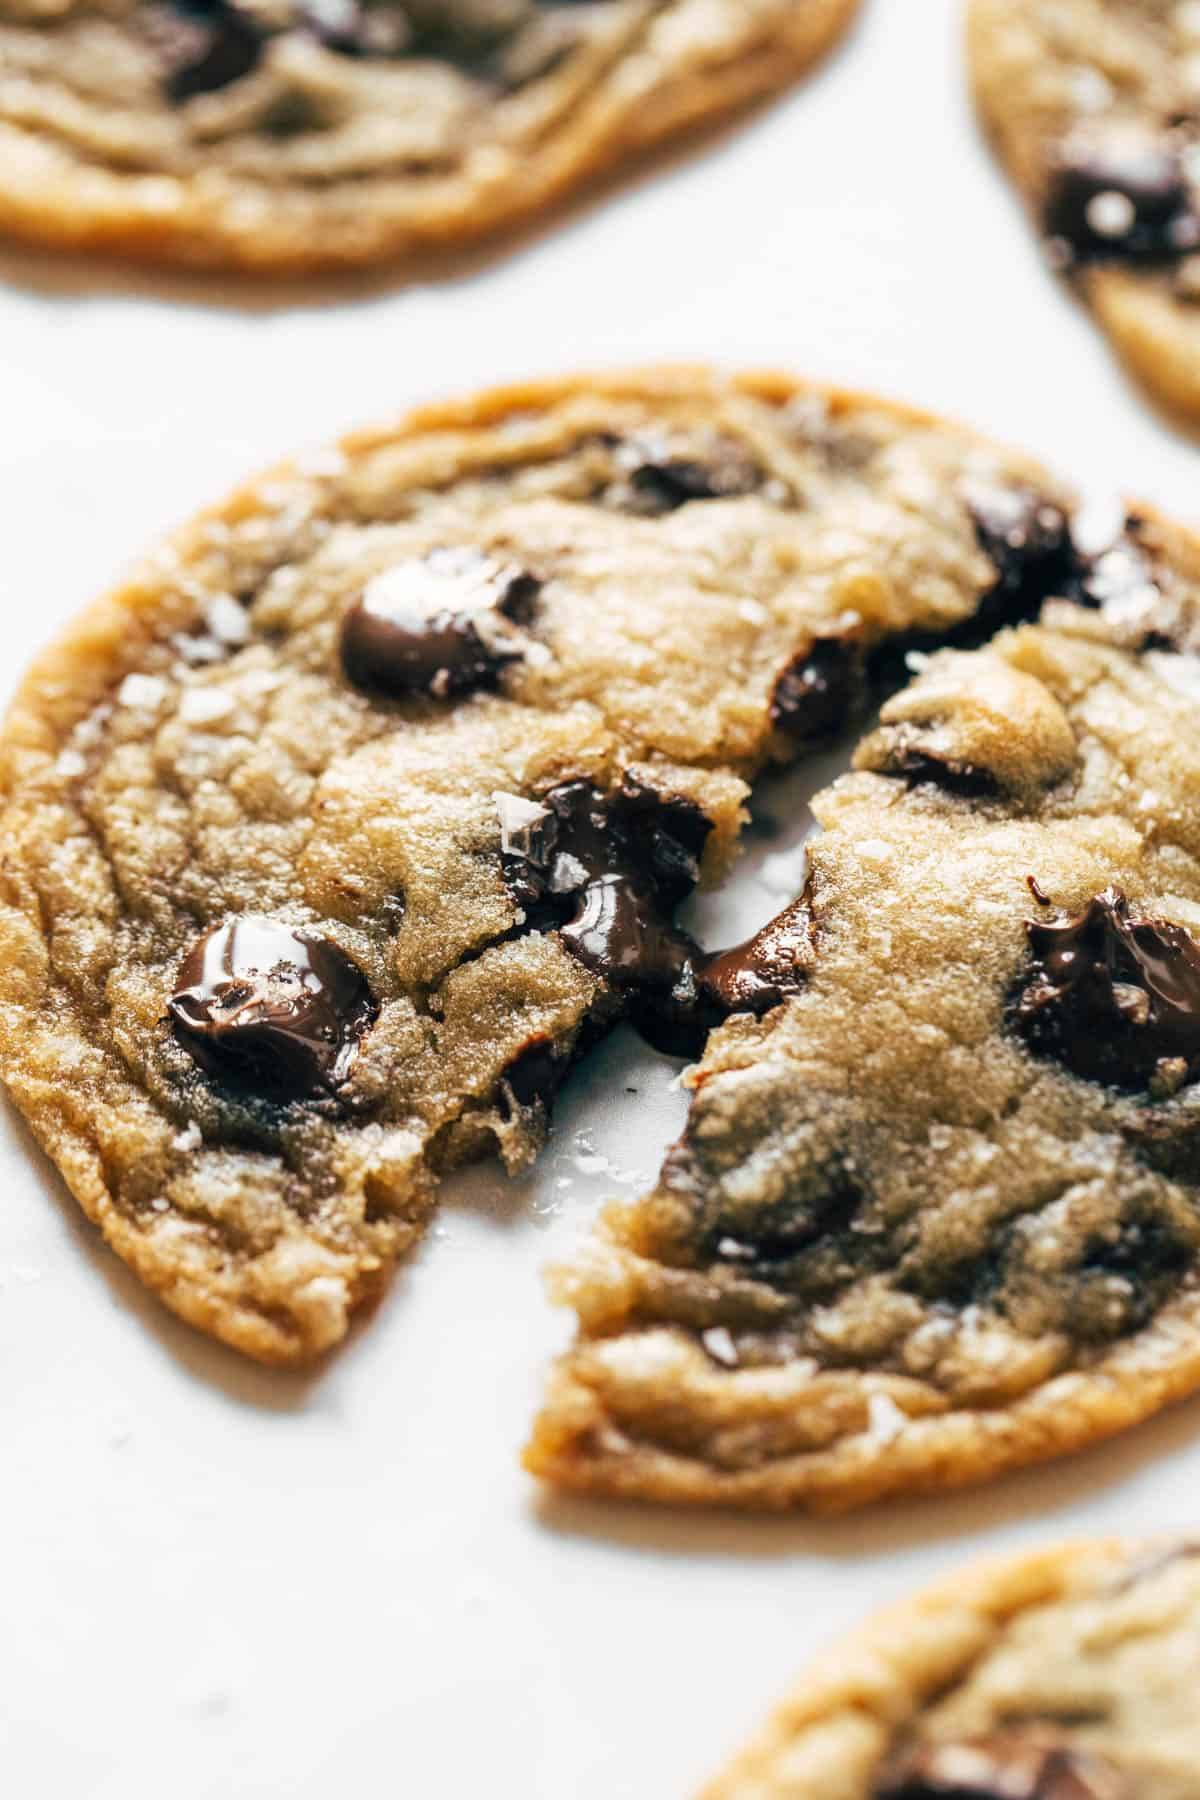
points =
(203, 45)
(439, 624)
(275, 1006)
(1124, 201)
(1113, 997)
(821, 687)
(663, 477)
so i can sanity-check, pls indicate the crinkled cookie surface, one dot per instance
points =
(1095, 108)
(1069, 1674)
(285, 135)
(938, 1213)
(332, 837)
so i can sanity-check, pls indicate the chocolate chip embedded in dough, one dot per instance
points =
(998, 1769)
(1127, 200)
(762, 972)
(439, 624)
(752, 977)
(663, 477)
(1028, 539)
(533, 1077)
(920, 767)
(274, 1007)
(202, 45)
(820, 689)
(1113, 996)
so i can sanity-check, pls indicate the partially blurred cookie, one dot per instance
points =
(333, 837)
(287, 135)
(1065, 1675)
(1095, 108)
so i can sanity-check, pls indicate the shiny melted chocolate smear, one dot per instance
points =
(607, 871)
(278, 1008)
(1114, 997)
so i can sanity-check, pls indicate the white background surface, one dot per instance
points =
(219, 1581)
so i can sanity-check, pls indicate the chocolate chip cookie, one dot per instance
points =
(289, 135)
(1065, 1675)
(1095, 108)
(332, 838)
(937, 1213)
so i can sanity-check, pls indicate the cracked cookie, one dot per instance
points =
(938, 1212)
(290, 135)
(1068, 1674)
(1095, 108)
(331, 838)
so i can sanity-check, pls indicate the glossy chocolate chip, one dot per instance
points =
(278, 1008)
(1028, 539)
(203, 45)
(669, 833)
(439, 624)
(1113, 997)
(606, 871)
(1124, 202)
(751, 977)
(661, 479)
(820, 688)
(998, 1769)
(950, 773)
(762, 972)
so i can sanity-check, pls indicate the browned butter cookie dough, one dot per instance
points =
(938, 1213)
(1069, 1674)
(289, 135)
(1095, 108)
(331, 838)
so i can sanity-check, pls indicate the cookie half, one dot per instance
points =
(334, 836)
(937, 1213)
(1069, 1674)
(1095, 108)
(313, 134)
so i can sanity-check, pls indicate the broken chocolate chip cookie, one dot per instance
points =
(1095, 109)
(289, 135)
(332, 838)
(937, 1211)
(1063, 1675)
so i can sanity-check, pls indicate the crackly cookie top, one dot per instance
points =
(236, 130)
(1068, 1675)
(937, 1212)
(1096, 107)
(333, 837)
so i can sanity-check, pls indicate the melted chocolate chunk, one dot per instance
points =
(1028, 538)
(439, 624)
(607, 870)
(998, 1769)
(279, 1008)
(204, 45)
(762, 972)
(533, 1077)
(1120, 203)
(751, 977)
(1113, 997)
(661, 480)
(820, 688)
(947, 772)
